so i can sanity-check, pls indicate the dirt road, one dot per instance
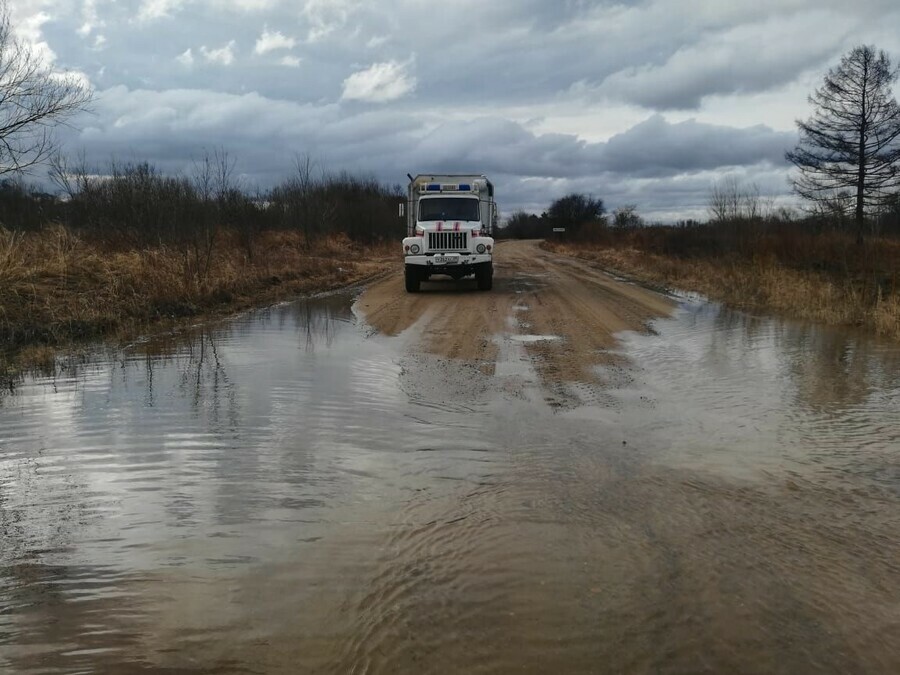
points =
(564, 310)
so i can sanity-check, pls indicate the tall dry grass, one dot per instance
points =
(817, 276)
(56, 286)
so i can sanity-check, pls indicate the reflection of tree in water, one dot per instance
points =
(832, 368)
(8, 385)
(184, 405)
(318, 318)
(202, 374)
(12, 376)
(204, 378)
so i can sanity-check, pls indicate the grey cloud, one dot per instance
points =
(500, 58)
(654, 53)
(746, 58)
(653, 147)
(656, 147)
(173, 128)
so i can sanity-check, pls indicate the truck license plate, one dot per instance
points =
(452, 259)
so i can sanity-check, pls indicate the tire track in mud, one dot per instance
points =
(536, 293)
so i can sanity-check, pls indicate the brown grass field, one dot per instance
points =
(825, 277)
(57, 289)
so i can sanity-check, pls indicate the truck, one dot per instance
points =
(450, 221)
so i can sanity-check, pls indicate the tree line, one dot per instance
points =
(135, 203)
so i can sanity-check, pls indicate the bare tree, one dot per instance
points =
(213, 175)
(68, 176)
(304, 191)
(213, 183)
(33, 101)
(725, 199)
(851, 140)
(730, 200)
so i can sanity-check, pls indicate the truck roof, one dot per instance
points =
(453, 178)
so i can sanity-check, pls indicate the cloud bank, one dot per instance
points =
(637, 102)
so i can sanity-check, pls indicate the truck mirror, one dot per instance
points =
(402, 209)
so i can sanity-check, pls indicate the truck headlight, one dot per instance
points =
(414, 248)
(480, 248)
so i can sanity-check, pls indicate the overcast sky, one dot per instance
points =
(642, 103)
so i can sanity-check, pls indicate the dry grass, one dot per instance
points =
(830, 294)
(56, 287)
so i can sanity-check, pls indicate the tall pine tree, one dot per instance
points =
(852, 141)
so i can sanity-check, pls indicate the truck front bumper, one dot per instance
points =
(464, 259)
(466, 266)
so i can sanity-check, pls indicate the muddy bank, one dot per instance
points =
(59, 290)
(761, 283)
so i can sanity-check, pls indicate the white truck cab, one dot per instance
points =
(449, 221)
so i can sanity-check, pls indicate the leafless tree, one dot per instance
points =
(304, 194)
(730, 200)
(213, 182)
(852, 140)
(33, 101)
(214, 175)
(71, 177)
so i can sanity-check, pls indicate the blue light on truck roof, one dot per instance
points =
(447, 187)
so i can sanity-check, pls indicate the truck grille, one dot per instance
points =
(448, 241)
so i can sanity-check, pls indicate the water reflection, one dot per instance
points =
(832, 369)
(181, 451)
(285, 492)
(746, 393)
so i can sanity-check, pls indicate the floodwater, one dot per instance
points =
(289, 492)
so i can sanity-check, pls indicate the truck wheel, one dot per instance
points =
(413, 279)
(484, 275)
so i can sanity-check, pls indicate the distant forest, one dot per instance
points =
(135, 204)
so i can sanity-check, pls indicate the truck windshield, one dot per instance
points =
(448, 208)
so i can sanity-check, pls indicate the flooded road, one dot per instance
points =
(325, 486)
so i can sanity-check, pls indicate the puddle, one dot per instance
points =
(288, 492)
(527, 339)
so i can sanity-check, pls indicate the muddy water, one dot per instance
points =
(288, 492)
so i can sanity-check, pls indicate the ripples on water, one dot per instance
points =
(286, 493)
(758, 393)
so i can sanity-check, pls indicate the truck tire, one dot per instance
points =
(413, 279)
(484, 275)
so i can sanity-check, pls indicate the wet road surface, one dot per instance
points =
(315, 487)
